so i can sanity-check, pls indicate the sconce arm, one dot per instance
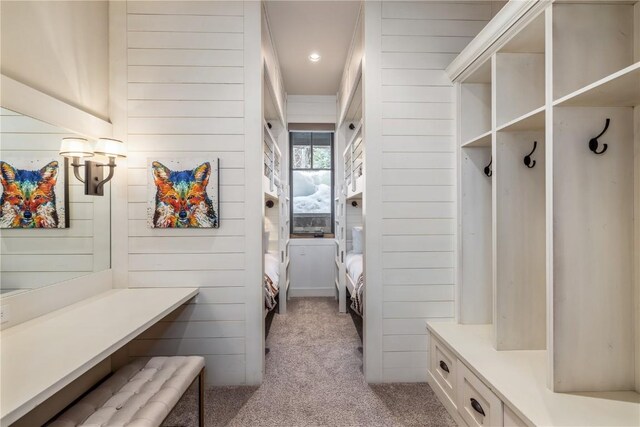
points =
(111, 165)
(76, 168)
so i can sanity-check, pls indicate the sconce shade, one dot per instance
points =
(75, 147)
(110, 147)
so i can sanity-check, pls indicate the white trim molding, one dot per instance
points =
(31, 102)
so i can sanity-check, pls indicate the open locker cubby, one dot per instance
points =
(475, 292)
(594, 331)
(519, 236)
(593, 250)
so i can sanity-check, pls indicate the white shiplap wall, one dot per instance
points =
(186, 98)
(418, 41)
(311, 109)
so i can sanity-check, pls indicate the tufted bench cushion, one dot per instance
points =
(140, 394)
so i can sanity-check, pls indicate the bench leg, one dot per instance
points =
(201, 398)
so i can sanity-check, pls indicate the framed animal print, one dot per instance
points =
(183, 193)
(34, 192)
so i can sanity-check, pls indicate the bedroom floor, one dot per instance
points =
(314, 378)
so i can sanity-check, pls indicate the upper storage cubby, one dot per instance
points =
(519, 75)
(592, 41)
(475, 107)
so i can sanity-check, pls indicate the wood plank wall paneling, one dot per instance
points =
(311, 109)
(62, 254)
(419, 39)
(186, 99)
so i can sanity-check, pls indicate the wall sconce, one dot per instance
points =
(78, 148)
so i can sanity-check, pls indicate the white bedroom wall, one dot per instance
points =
(187, 97)
(312, 260)
(415, 158)
(311, 109)
(60, 48)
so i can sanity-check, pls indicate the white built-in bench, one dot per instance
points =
(140, 394)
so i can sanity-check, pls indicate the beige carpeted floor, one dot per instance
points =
(314, 378)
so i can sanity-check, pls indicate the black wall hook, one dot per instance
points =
(527, 159)
(352, 126)
(593, 142)
(487, 169)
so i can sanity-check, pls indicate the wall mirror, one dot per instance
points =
(50, 231)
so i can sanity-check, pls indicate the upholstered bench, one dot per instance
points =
(140, 394)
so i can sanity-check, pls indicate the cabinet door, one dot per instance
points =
(477, 404)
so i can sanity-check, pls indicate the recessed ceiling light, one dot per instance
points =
(314, 57)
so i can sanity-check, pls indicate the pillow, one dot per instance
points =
(356, 235)
(265, 242)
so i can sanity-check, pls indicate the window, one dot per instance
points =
(311, 182)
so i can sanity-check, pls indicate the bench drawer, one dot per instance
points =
(443, 366)
(477, 404)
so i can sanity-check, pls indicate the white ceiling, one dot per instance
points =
(301, 27)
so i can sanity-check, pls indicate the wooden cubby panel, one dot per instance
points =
(592, 331)
(590, 42)
(520, 245)
(475, 110)
(475, 293)
(519, 83)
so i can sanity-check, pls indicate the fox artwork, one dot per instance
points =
(183, 197)
(32, 197)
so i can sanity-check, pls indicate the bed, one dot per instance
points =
(355, 280)
(271, 280)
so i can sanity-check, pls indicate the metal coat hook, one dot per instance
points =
(593, 142)
(527, 159)
(352, 126)
(487, 169)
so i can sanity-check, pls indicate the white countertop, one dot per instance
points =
(519, 380)
(40, 357)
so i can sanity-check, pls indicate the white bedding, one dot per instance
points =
(353, 263)
(271, 280)
(272, 267)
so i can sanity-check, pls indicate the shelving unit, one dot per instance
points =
(349, 158)
(276, 183)
(549, 255)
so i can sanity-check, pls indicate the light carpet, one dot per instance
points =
(314, 378)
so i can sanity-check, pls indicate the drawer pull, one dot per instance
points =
(477, 407)
(444, 366)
